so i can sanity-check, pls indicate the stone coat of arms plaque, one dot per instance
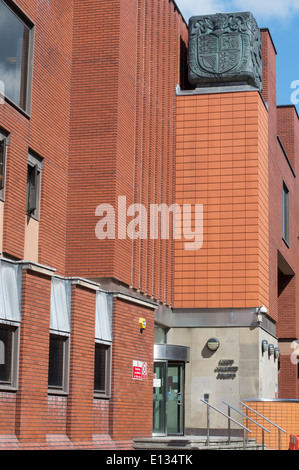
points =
(225, 48)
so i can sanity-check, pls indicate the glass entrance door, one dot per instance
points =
(159, 388)
(175, 399)
(168, 400)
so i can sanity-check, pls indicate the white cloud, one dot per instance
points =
(270, 8)
(202, 7)
(262, 9)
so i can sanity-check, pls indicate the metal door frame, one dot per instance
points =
(164, 361)
(174, 354)
(178, 364)
(182, 365)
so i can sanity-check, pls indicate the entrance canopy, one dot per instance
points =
(171, 352)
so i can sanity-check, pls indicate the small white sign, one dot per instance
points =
(157, 383)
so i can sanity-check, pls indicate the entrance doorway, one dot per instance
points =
(168, 398)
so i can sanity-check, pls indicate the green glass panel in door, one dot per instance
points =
(159, 389)
(175, 399)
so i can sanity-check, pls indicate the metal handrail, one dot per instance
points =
(247, 417)
(271, 422)
(229, 418)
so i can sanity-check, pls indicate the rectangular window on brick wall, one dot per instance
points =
(60, 330)
(10, 320)
(58, 363)
(16, 45)
(102, 369)
(103, 345)
(285, 214)
(8, 356)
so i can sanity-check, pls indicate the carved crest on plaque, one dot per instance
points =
(225, 48)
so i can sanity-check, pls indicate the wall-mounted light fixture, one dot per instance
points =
(260, 312)
(264, 345)
(271, 349)
(276, 353)
(213, 344)
(142, 324)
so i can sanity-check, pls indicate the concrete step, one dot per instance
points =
(195, 443)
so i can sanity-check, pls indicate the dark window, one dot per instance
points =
(8, 356)
(2, 165)
(102, 369)
(33, 186)
(14, 55)
(57, 362)
(32, 183)
(6, 353)
(285, 214)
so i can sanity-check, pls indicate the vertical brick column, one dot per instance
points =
(131, 404)
(81, 379)
(31, 398)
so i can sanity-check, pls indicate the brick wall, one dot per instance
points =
(283, 121)
(45, 132)
(103, 120)
(31, 397)
(288, 131)
(288, 378)
(123, 130)
(56, 415)
(81, 378)
(7, 412)
(131, 403)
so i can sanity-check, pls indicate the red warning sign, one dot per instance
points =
(139, 370)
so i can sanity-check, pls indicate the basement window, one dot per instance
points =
(15, 55)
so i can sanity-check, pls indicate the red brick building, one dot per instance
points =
(95, 94)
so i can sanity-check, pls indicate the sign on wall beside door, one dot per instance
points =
(139, 370)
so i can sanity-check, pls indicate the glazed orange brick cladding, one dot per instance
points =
(222, 163)
(283, 413)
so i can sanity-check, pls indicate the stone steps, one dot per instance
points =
(189, 443)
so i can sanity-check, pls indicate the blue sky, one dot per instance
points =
(281, 17)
